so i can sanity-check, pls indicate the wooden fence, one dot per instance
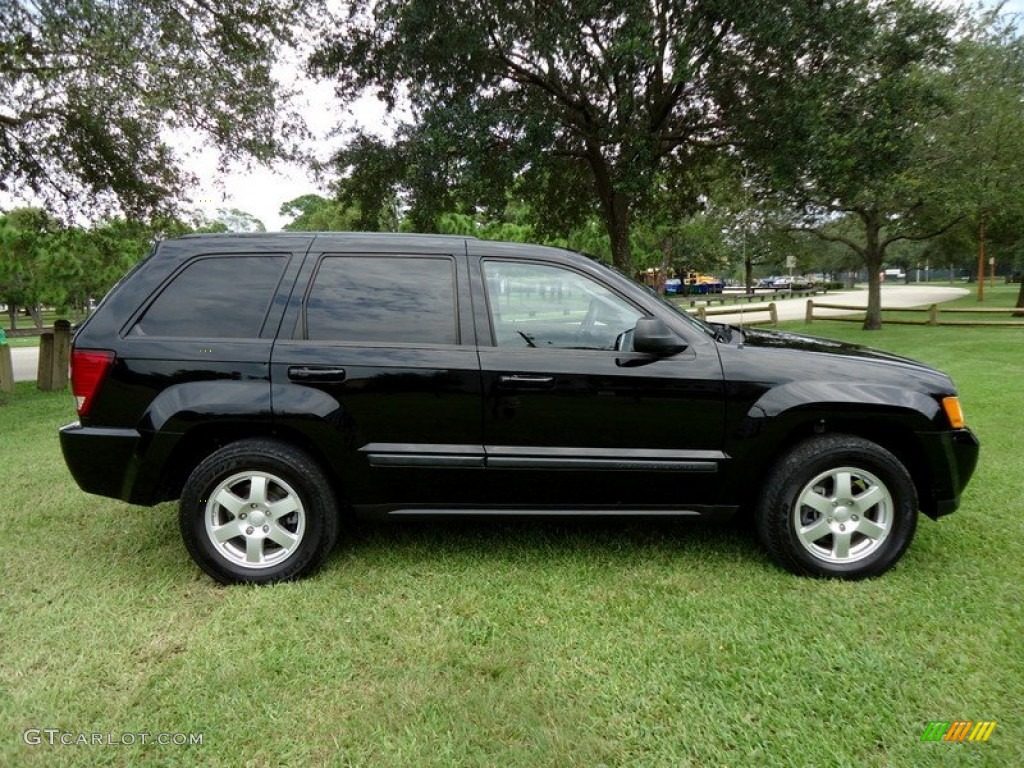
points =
(773, 315)
(6, 368)
(54, 355)
(933, 314)
(766, 294)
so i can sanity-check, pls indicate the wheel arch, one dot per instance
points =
(894, 428)
(194, 446)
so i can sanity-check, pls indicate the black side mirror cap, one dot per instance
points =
(652, 336)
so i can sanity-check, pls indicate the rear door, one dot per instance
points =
(572, 421)
(378, 366)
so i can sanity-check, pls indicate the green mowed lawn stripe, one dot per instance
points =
(523, 644)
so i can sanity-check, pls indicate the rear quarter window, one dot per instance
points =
(223, 297)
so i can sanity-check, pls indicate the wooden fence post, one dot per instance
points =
(44, 373)
(809, 315)
(6, 367)
(774, 311)
(61, 354)
(933, 314)
(54, 354)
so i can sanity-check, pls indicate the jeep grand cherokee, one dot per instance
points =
(277, 384)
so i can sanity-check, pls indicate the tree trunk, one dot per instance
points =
(617, 221)
(666, 259)
(1020, 294)
(873, 255)
(36, 312)
(12, 312)
(873, 318)
(614, 210)
(748, 273)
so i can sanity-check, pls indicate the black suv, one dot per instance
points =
(277, 383)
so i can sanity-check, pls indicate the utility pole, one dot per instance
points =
(981, 259)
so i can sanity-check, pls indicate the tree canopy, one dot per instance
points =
(854, 144)
(582, 105)
(90, 88)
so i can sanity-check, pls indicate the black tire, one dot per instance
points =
(258, 511)
(837, 506)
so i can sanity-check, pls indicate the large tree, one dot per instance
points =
(585, 105)
(26, 235)
(315, 213)
(90, 88)
(982, 138)
(854, 144)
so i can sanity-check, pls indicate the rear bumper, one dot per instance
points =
(103, 461)
(953, 457)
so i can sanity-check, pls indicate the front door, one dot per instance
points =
(574, 419)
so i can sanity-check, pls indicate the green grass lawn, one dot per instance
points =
(23, 341)
(999, 294)
(518, 644)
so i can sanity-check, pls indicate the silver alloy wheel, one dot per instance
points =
(255, 519)
(843, 515)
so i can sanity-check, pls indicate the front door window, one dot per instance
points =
(536, 305)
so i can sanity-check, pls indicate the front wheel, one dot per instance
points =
(840, 506)
(258, 511)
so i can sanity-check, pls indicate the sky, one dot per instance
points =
(261, 190)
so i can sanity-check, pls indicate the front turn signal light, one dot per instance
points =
(955, 414)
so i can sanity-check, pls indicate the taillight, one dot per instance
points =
(88, 368)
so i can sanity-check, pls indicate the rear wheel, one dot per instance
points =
(838, 505)
(258, 511)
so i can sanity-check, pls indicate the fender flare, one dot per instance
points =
(180, 407)
(851, 396)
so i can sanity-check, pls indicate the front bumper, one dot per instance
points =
(952, 458)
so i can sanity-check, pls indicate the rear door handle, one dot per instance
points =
(522, 381)
(315, 373)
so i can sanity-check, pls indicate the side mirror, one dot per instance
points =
(651, 335)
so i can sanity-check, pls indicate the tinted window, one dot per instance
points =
(383, 299)
(535, 305)
(225, 297)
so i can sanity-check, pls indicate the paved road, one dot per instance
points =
(25, 363)
(26, 359)
(892, 296)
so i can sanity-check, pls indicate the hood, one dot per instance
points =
(816, 358)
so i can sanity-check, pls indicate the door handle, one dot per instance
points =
(314, 373)
(522, 381)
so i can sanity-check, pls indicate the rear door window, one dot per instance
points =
(389, 299)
